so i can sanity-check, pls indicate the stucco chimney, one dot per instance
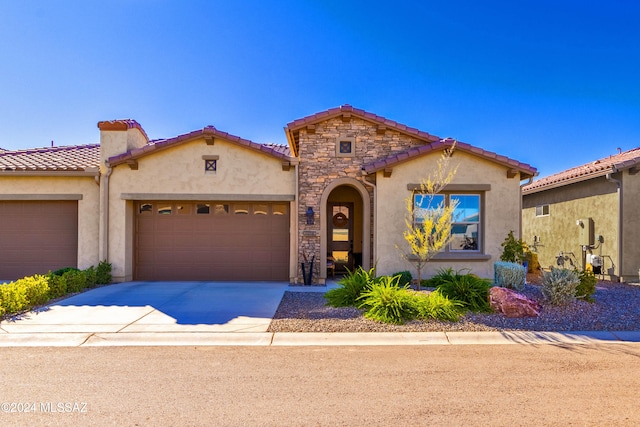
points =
(119, 137)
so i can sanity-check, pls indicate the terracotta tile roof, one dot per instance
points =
(292, 129)
(64, 158)
(281, 148)
(525, 170)
(123, 124)
(207, 132)
(594, 169)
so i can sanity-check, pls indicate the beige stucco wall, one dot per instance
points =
(631, 227)
(178, 172)
(42, 187)
(595, 198)
(500, 215)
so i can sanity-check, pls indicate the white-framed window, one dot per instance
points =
(542, 210)
(466, 224)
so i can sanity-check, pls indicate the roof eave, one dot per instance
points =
(569, 181)
(193, 136)
(87, 172)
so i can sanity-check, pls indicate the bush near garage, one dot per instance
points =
(30, 291)
(76, 280)
(103, 273)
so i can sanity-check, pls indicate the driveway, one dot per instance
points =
(158, 307)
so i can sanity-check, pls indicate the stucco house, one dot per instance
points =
(587, 216)
(208, 205)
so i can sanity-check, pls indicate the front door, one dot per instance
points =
(340, 235)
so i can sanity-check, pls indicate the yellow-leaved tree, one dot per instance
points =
(428, 217)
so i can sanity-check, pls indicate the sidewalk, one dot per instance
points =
(225, 314)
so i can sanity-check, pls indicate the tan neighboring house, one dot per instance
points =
(587, 215)
(208, 205)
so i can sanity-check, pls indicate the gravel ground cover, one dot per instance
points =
(616, 308)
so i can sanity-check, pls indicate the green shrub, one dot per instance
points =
(513, 250)
(57, 285)
(350, 288)
(469, 289)
(387, 302)
(405, 278)
(509, 275)
(442, 275)
(37, 289)
(92, 276)
(103, 273)
(61, 271)
(559, 286)
(587, 286)
(76, 280)
(434, 305)
(14, 297)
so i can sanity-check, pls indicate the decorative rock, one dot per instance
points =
(512, 304)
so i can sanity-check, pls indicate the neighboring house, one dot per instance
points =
(212, 206)
(587, 215)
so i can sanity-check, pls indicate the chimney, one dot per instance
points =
(120, 136)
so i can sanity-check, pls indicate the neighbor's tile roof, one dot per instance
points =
(594, 169)
(64, 158)
(292, 129)
(280, 148)
(412, 153)
(209, 131)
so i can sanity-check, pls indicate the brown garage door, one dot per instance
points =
(212, 241)
(37, 236)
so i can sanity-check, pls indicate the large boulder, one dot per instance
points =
(512, 304)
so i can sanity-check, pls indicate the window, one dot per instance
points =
(345, 147)
(542, 210)
(241, 209)
(184, 209)
(259, 209)
(221, 209)
(466, 221)
(210, 165)
(145, 209)
(279, 209)
(203, 208)
(164, 210)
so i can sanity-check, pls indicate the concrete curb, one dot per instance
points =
(284, 339)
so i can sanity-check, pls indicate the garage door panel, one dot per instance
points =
(219, 245)
(37, 236)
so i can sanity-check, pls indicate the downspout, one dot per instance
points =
(529, 181)
(104, 247)
(296, 228)
(619, 190)
(375, 220)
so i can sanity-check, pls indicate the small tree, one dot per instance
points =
(428, 218)
(513, 250)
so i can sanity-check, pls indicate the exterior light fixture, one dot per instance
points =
(310, 214)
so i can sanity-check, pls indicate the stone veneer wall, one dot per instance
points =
(319, 166)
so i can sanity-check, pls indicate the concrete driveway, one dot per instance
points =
(158, 307)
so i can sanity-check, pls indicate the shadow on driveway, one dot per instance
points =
(160, 307)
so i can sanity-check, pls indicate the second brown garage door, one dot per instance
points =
(211, 241)
(37, 236)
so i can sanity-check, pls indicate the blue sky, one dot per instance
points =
(551, 83)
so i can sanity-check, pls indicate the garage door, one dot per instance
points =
(211, 241)
(37, 236)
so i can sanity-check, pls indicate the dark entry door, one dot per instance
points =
(340, 238)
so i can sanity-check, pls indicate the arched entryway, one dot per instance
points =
(345, 233)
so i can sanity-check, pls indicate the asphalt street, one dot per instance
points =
(438, 385)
